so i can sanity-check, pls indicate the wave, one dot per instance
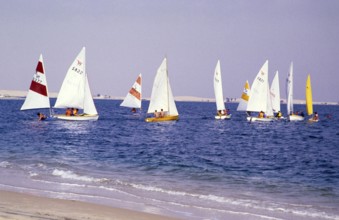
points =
(67, 174)
(306, 211)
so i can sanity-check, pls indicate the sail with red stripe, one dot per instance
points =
(133, 97)
(37, 96)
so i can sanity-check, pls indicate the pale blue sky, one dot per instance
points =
(125, 38)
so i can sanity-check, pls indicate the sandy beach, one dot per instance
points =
(21, 206)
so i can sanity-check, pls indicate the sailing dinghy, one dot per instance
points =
(133, 97)
(219, 99)
(162, 103)
(260, 100)
(75, 92)
(244, 97)
(37, 96)
(289, 89)
(309, 101)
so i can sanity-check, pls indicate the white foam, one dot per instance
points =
(67, 174)
(5, 164)
(32, 174)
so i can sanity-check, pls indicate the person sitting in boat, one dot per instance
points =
(41, 116)
(68, 112)
(278, 115)
(315, 116)
(156, 114)
(302, 114)
(162, 113)
(74, 111)
(261, 114)
(133, 110)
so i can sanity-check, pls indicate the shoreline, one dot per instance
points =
(24, 206)
(20, 95)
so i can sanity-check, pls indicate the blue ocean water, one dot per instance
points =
(195, 168)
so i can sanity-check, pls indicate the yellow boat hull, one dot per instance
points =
(165, 118)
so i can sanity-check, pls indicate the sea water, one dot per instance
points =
(195, 168)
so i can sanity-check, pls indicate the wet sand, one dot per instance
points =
(22, 206)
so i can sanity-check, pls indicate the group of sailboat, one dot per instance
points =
(265, 101)
(162, 104)
(260, 99)
(74, 93)
(293, 116)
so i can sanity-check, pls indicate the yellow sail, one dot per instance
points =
(309, 103)
(245, 95)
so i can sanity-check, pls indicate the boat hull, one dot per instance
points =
(253, 119)
(82, 117)
(166, 118)
(295, 118)
(222, 117)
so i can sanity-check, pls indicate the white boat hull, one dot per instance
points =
(82, 117)
(295, 118)
(222, 117)
(253, 119)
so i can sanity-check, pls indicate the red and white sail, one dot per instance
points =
(37, 96)
(133, 97)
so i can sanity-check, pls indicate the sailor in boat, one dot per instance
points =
(68, 112)
(156, 114)
(315, 116)
(75, 111)
(278, 115)
(261, 114)
(41, 116)
(162, 113)
(223, 112)
(133, 110)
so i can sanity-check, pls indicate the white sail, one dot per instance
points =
(133, 97)
(75, 91)
(289, 89)
(244, 97)
(162, 97)
(219, 99)
(89, 106)
(37, 96)
(275, 93)
(259, 91)
(269, 108)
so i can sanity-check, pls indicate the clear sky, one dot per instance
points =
(128, 37)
